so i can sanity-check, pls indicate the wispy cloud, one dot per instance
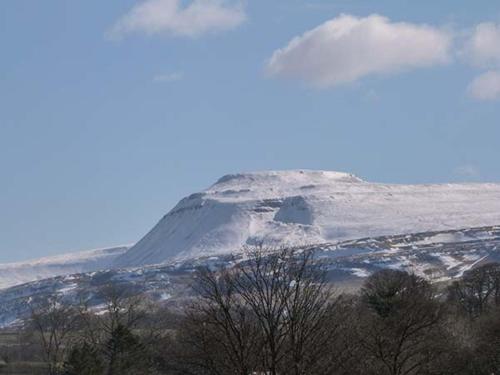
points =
(168, 17)
(348, 48)
(486, 86)
(169, 77)
(468, 171)
(482, 50)
(482, 47)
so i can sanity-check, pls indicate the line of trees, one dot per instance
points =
(277, 313)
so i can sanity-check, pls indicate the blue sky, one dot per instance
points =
(111, 111)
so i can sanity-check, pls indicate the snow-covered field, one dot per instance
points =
(22, 272)
(308, 207)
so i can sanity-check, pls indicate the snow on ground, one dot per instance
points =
(469, 266)
(308, 207)
(359, 272)
(448, 260)
(444, 238)
(86, 261)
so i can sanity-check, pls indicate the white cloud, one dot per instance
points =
(170, 77)
(482, 47)
(486, 86)
(348, 48)
(168, 17)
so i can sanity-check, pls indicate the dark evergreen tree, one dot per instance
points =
(124, 352)
(84, 360)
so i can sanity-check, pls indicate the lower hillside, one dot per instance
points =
(273, 312)
(439, 257)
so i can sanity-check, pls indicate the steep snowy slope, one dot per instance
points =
(86, 261)
(308, 207)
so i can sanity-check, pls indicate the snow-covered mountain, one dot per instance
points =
(93, 260)
(307, 207)
(438, 231)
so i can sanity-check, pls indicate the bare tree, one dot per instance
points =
(286, 289)
(220, 327)
(400, 323)
(52, 322)
(478, 290)
(110, 330)
(272, 313)
(487, 342)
